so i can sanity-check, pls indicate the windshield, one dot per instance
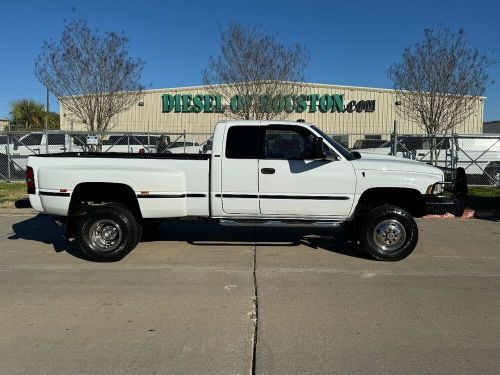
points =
(341, 149)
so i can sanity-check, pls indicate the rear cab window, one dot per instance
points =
(242, 142)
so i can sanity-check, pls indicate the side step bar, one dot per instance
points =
(280, 223)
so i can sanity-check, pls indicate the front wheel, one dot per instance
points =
(389, 233)
(107, 232)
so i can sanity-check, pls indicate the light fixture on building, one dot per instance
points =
(141, 104)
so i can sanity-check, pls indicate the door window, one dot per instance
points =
(289, 143)
(243, 142)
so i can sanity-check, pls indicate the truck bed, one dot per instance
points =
(165, 185)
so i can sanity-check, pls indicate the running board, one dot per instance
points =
(280, 223)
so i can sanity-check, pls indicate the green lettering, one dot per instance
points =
(264, 104)
(209, 108)
(186, 103)
(325, 103)
(312, 105)
(247, 102)
(301, 104)
(338, 103)
(218, 104)
(289, 103)
(198, 103)
(236, 104)
(277, 103)
(177, 100)
(167, 103)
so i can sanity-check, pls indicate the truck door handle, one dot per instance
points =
(267, 170)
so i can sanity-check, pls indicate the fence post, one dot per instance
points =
(456, 148)
(70, 138)
(395, 139)
(149, 143)
(46, 140)
(8, 155)
(184, 140)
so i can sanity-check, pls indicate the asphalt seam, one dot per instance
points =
(256, 306)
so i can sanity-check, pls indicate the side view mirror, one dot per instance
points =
(356, 154)
(319, 150)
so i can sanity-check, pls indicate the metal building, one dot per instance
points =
(344, 111)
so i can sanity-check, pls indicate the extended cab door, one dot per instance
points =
(292, 183)
(239, 173)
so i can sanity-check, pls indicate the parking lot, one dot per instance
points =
(184, 302)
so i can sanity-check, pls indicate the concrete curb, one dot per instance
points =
(488, 214)
(469, 214)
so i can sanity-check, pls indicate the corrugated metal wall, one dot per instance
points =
(150, 116)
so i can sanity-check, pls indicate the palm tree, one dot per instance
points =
(27, 113)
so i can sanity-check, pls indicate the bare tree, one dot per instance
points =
(439, 82)
(92, 74)
(261, 72)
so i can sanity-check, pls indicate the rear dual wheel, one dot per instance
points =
(388, 233)
(107, 232)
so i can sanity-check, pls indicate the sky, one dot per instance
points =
(350, 43)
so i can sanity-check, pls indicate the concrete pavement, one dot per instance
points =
(182, 302)
(166, 308)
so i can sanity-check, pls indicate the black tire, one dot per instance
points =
(388, 233)
(107, 232)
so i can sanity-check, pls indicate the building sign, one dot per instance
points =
(207, 103)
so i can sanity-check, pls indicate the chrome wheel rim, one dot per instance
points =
(389, 235)
(105, 235)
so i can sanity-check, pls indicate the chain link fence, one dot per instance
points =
(478, 154)
(16, 147)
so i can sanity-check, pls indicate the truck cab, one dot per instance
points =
(279, 173)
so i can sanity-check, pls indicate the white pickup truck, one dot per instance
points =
(270, 173)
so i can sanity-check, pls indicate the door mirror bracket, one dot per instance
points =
(332, 157)
(319, 149)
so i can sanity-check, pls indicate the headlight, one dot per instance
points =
(436, 188)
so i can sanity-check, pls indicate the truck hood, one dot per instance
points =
(371, 161)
